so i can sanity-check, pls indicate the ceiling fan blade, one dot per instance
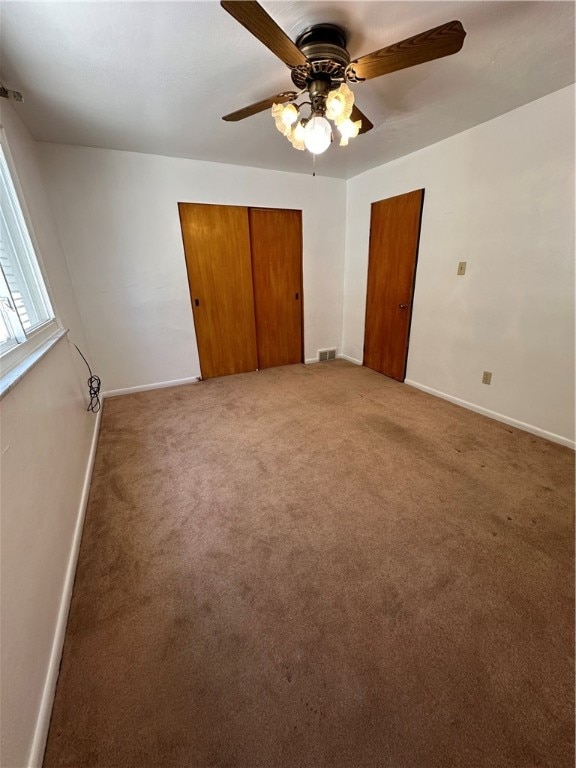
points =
(358, 115)
(260, 106)
(252, 16)
(432, 44)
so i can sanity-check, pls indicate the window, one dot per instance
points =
(26, 316)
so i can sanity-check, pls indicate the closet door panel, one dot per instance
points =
(276, 243)
(217, 248)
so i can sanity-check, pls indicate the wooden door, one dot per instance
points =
(394, 236)
(217, 247)
(276, 239)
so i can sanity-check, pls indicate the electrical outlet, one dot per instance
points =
(487, 377)
(461, 268)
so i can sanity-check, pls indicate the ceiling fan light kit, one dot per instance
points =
(320, 68)
(314, 132)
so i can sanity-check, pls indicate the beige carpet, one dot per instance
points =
(317, 566)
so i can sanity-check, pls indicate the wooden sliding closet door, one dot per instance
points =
(394, 236)
(276, 240)
(217, 248)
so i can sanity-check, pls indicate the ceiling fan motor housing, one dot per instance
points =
(324, 45)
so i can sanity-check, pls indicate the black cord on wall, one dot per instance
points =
(93, 386)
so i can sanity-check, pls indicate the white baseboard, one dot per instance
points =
(45, 711)
(497, 416)
(338, 357)
(351, 359)
(146, 387)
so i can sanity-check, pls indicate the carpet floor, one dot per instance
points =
(316, 566)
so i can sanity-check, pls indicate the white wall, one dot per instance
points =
(501, 197)
(46, 437)
(118, 218)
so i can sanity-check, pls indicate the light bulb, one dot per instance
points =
(317, 135)
(334, 106)
(289, 114)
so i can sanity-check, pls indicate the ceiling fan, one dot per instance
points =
(321, 67)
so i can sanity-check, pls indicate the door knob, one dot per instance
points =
(403, 306)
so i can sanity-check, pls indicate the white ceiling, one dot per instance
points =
(157, 77)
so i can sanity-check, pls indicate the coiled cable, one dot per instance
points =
(94, 384)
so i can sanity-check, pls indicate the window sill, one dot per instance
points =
(9, 379)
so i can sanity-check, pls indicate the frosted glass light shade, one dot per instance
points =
(339, 104)
(317, 135)
(296, 137)
(348, 130)
(299, 132)
(278, 111)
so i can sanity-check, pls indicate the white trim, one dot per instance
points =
(20, 351)
(11, 377)
(351, 359)
(146, 387)
(26, 213)
(338, 357)
(493, 415)
(36, 755)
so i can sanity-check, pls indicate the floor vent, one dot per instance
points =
(326, 354)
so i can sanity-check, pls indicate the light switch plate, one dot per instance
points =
(461, 268)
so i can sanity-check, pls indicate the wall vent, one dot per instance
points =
(326, 354)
